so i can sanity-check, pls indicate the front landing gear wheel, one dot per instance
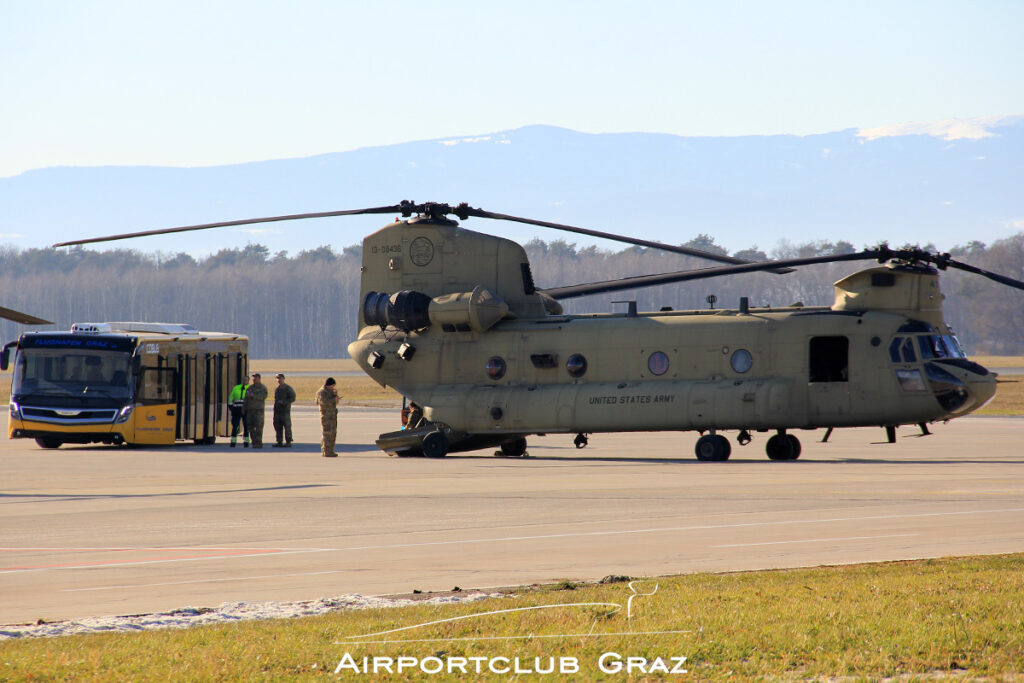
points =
(580, 441)
(783, 447)
(713, 447)
(435, 444)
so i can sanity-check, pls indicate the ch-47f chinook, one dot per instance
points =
(452, 320)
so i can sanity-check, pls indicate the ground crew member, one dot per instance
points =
(253, 403)
(284, 397)
(238, 413)
(327, 400)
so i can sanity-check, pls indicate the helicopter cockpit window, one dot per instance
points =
(902, 350)
(910, 379)
(936, 346)
(829, 359)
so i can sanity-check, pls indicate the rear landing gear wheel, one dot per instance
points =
(796, 446)
(514, 448)
(48, 442)
(783, 447)
(435, 445)
(713, 447)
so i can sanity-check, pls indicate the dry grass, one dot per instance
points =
(353, 390)
(996, 362)
(949, 618)
(328, 366)
(1009, 399)
(358, 390)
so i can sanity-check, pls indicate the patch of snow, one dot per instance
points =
(949, 129)
(228, 612)
(482, 138)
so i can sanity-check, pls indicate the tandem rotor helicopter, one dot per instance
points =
(453, 321)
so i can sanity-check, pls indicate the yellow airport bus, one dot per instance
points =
(123, 383)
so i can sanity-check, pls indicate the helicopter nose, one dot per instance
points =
(983, 389)
(961, 386)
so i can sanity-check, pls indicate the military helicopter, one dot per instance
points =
(453, 321)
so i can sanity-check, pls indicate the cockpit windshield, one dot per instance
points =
(930, 346)
(940, 346)
(57, 375)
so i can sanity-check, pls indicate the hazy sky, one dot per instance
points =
(190, 83)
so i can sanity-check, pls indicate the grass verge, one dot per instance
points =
(921, 619)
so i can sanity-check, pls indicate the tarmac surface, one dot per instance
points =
(99, 530)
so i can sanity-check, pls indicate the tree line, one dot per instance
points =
(304, 306)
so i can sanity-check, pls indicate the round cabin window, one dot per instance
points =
(657, 363)
(495, 367)
(576, 366)
(741, 360)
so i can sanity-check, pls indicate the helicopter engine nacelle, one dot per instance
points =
(410, 310)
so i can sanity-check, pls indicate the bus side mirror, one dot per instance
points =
(136, 365)
(5, 355)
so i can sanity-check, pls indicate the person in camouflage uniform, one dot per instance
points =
(253, 403)
(284, 397)
(327, 400)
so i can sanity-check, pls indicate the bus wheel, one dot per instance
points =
(48, 442)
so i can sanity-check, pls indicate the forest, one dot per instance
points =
(304, 306)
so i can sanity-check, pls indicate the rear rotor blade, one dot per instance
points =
(573, 291)
(1001, 279)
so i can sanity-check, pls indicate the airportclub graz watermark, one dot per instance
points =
(610, 661)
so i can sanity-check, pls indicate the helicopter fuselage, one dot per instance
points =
(487, 358)
(685, 370)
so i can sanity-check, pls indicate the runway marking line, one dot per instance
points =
(178, 554)
(812, 540)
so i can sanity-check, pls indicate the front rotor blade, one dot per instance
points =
(480, 213)
(225, 224)
(639, 281)
(1001, 279)
(23, 318)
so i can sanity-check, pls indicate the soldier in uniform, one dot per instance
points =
(255, 397)
(327, 400)
(284, 397)
(235, 405)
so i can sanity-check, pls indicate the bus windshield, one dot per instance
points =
(78, 377)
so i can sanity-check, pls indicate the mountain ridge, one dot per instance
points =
(856, 184)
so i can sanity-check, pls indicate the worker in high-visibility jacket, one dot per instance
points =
(235, 403)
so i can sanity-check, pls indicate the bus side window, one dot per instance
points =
(157, 386)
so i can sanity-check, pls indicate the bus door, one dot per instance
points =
(186, 396)
(155, 415)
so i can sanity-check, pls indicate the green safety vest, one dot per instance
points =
(238, 394)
